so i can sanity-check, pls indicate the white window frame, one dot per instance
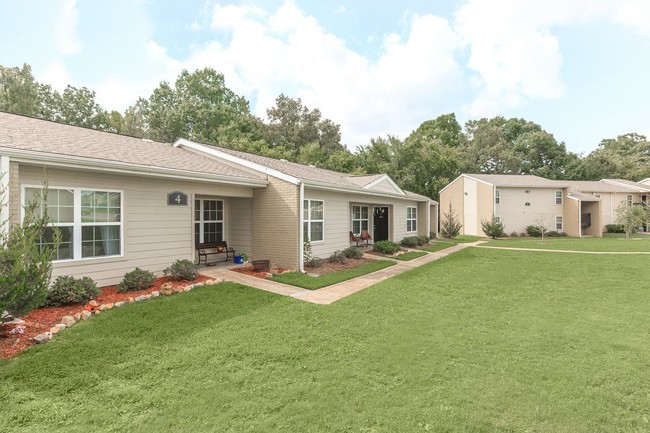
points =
(77, 224)
(628, 199)
(360, 219)
(497, 196)
(497, 219)
(309, 221)
(558, 198)
(411, 221)
(559, 220)
(202, 221)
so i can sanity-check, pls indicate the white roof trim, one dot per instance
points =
(212, 151)
(639, 188)
(96, 164)
(450, 183)
(331, 187)
(386, 178)
(478, 180)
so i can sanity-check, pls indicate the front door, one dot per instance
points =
(381, 224)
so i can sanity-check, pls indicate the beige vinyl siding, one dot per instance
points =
(241, 225)
(423, 214)
(485, 208)
(276, 227)
(154, 234)
(385, 186)
(516, 216)
(338, 218)
(453, 194)
(571, 219)
(470, 208)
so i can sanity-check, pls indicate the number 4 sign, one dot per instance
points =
(176, 198)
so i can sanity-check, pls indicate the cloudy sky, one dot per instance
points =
(577, 67)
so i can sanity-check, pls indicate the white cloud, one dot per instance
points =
(55, 74)
(67, 39)
(341, 9)
(287, 51)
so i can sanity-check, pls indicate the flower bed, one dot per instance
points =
(43, 319)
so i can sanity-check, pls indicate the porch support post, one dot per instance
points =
(4, 194)
(301, 249)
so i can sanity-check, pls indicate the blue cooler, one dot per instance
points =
(239, 260)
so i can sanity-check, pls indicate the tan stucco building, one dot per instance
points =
(577, 208)
(121, 202)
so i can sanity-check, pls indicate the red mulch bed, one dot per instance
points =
(42, 319)
(248, 270)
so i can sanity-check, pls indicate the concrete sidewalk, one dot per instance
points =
(333, 293)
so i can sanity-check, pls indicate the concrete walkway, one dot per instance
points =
(332, 293)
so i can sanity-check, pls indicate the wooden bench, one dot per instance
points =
(209, 249)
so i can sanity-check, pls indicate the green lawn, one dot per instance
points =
(613, 242)
(410, 255)
(479, 341)
(437, 246)
(312, 283)
(463, 239)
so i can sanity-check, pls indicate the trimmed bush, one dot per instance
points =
(492, 228)
(535, 231)
(183, 270)
(314, 262)
(555, 234)
(615, 228)
(449, 224)
(69, 290)
(409, 242)
(423, 240)
(137, 279)
(514, 234)
(337, 257)
(386, 247)
(353, 252)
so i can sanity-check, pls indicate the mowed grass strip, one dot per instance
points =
(410, 255)
(312, 283)
(610, 242)
(480, 341)
(437, 246)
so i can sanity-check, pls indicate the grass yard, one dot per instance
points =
(463, 239)
(410, 255)
(437, 246)
(312, 283)
(612, 242)
(479, 341)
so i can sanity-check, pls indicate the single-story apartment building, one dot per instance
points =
(577, 208)
(121, 202)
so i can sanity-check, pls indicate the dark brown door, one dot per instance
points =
(381, 224)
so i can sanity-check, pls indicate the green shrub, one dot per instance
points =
(337, 257)
(492, 227)
(449, 224)
(386, 247)
(514, 234)
(70, 290)
(555, 234)
(314, 262)
(183, 270)
(423, 240)
(137, 279)
(353, 252)
(409, 242)
(535, 231)
(615, 228)
(25, 266)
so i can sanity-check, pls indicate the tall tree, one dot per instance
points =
(626, 157)
(199, 107)
(19, 92)
(294, 126)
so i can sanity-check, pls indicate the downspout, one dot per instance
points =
(429, 216)
(580, 218)
(301, 254)
(4, 195)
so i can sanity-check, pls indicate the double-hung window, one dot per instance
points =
(208, 221)
(411, 218)
(89, 222)
(558, 197)
(497, 196)
(559, 225)
(628, 199)
(360, 220)
(313, 220)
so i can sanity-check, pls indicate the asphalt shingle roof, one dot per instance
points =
(26, 133)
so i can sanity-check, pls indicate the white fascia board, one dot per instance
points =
(76, 162)
(479, 180)
(330, 187)
(388, 179)
(625, 185)
(451, 183)
(212, 151)
(573, 198)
